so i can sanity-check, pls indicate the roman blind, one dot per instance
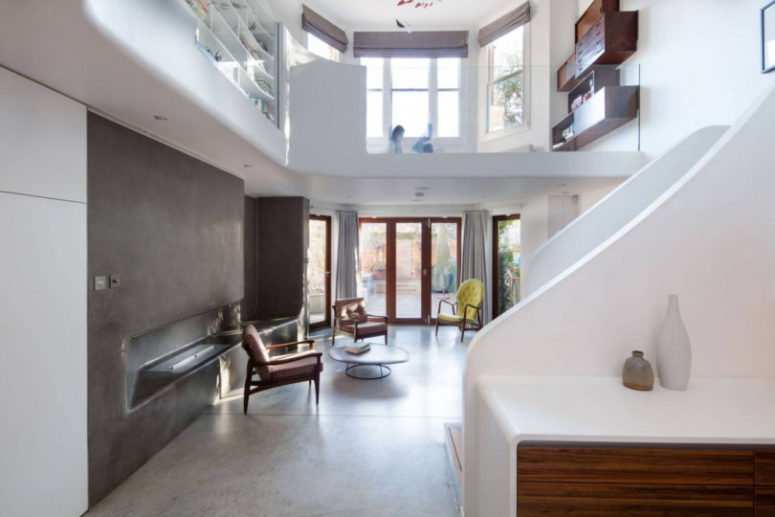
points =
(416, 44)
(505, 24)
(315, 24)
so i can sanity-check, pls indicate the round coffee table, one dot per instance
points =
(379, 355)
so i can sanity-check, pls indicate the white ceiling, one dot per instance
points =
(381, 14)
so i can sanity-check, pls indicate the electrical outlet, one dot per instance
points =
(100, 282)
(115, 281)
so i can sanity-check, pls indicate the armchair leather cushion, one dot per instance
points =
(305, 366)
(258, 353)
(370, 328)
(352, 308)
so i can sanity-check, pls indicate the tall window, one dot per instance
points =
(422, 91)
(505, 82)
(410, 92)
(320, 48)
(375, 68)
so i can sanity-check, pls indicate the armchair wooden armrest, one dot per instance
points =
(290, 358)
(448, 302)
(478, 309)
(311, 343)
(379, 316)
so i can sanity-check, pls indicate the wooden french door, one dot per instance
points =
(319, 271)
(506, 262)
(407, 264)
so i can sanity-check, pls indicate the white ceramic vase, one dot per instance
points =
(674, 353)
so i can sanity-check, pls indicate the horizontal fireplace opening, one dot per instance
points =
(157, 359)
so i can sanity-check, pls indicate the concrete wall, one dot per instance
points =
(283, 235)
(250, 239)
(172, 228)
(42, 300)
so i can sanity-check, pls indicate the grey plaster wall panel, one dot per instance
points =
(283, 233)
(172, 228)
(249, 303)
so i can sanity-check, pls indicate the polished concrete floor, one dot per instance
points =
(371, 448)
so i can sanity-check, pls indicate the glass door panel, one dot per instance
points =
(319, 270)
(373, 263)
(444, 260)
(507, 262)
(409, 270)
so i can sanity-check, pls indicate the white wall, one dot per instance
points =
(43, 459)
(700, 66)
(615, 211)
(710, 239)
(327, 113)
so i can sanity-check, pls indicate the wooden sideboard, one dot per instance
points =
(644, 480)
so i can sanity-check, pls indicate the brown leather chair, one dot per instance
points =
(351, 318)
(279, 370)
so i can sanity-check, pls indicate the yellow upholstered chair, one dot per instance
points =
(466, 310)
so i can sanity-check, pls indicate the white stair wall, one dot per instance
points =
(618, 208)
(710, 238)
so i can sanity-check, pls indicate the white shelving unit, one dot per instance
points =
(242, 40)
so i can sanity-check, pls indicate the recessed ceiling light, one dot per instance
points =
(160, 118)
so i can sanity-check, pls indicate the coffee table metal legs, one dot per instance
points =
(384, 371)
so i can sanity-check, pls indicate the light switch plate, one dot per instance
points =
(100, 282)
(115, 281)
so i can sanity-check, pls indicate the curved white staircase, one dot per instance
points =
(709, 237)
(618, 208)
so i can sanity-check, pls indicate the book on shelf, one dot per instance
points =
(357, 349)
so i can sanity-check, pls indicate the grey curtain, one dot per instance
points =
(315, 24)
(505, 24)
(474, 261)
(347, 255)
(416, 44)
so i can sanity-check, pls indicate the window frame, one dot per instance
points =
(433, 90)
(332, 51)
(485, 134)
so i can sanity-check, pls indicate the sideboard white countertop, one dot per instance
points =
(601, 409)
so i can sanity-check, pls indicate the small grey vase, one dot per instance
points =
(674, 352)
(637, 373)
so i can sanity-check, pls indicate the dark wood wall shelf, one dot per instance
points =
(610, 41)
(601, 479)
(609, 108)
(593, 13)
(605, 38)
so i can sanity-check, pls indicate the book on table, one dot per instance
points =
(357, 349)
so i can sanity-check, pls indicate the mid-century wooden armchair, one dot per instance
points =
(279, 370)
(466, 310)
(351, 318)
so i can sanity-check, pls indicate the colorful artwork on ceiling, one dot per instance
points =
(417, 3)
